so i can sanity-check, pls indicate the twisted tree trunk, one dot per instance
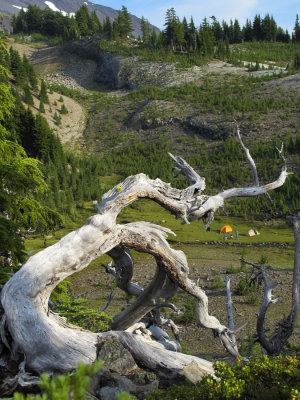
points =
(51, 344)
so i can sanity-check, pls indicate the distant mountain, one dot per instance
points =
(12, 7)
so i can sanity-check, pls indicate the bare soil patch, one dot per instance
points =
(72, 124)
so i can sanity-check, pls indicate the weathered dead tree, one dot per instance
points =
(51, 344)
(275, 343)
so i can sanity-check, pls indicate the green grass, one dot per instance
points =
(147, 210)
(189, 237)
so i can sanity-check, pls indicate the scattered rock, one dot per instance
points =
(116, 358)
(213, 129)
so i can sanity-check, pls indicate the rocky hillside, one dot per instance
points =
(141, 99)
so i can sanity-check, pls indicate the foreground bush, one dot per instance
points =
(261, 378)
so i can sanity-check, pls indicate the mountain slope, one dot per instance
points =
(12, 7)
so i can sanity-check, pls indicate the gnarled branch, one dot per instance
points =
(49, 342)
(285, 327)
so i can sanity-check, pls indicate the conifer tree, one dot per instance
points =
(237, 33)
(268, 28)
(95, 24)
(34, 19)
(20, 178)
(64, 109)
(146, 30)
(41, 107)
(123, 24)
(297, 30)
(32, 78)
(83, 20)
(17, 67)
(153, 38)
(192, 34)
(217, 29)
(256, 26)
(28, 96)
(247, 31)
(43, 93)
(107, 27)
(171, 24)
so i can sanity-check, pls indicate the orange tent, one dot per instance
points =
(226, 229)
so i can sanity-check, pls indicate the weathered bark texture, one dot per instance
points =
(50, 343)
(284, 329)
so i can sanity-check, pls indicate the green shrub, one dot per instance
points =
(253, 297)
(242, 287)
(57, 119)
(232, 270)
(63, 109)
(66, 387)
(188, 315)
(76, 311)
(41, 107)
(260, 378)
(263, 259)
(217, 283)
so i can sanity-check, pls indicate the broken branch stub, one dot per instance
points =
(48, 341)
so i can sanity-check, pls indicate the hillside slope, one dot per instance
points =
(12, 7)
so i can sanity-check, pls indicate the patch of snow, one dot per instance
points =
(85, 3)
(20, 8)
(54, 8)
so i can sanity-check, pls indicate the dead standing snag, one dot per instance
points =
(50, 343)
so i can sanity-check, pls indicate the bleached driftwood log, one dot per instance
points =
(51, 344)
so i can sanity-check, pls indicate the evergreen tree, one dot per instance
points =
(64, 109)
(153, 38)
(73, 30)
(225, 30)
(256, 26)
(192, 35)
(231, 32)
(43, 93)
(237, 33)
(171, 24)
(17, 67)
(49, 22)
(268, 29)
(297, 30)
(247, 31)
(32, 78)
(19, 22)
(107, 27)
(20, 179)
(41, 107)
(206, 39)
(217, 29)
(282, 36)
(95, 24)
(57, 119)
(28, 96)
(83, 20)
(123, 23)
(34, 19)
(146, 30)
